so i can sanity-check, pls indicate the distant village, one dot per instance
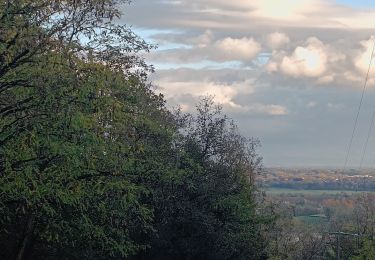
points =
(318, 179)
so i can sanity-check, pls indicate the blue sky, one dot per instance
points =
(288, 72)
(358, 3)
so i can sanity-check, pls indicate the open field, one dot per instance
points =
(273, 191)
(312, 219)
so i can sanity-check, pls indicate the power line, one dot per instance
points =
(367, 139)
(359, 108)
(338, 235)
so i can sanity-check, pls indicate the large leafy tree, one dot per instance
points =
(77, 118)
(93, 165)
(207, 208)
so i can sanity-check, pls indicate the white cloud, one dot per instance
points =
(272, 67)
(284, 10)
(362, 60)
(358, 19)
(243, 49)
(311, 104)
(171, 2)
(312, 59)
(326, 58)
(269, 109)
(202, 40)
(200, 33)
(204, 48)
(277, 40)
(326, 79)
(307, 61)
(333, 106)
(244, 15)
(223, 93)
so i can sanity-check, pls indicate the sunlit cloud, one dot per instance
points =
(288, 65)
(204, 47)
(286, 9)
(222, 93)
(277, 40)
(362, 60)
(307, 61)
(236, 49)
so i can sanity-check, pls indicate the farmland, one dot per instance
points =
(280, 180)
(276, 191)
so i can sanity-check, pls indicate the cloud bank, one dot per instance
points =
(278, 67)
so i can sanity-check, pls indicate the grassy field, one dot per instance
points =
(273, 191)
(312, 220)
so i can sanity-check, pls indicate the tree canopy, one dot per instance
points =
(93, 164)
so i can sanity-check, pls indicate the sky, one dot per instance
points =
(289, 72)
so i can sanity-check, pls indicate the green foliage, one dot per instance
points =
(67, 165)
(67, 150)
(367, 251)
(207, 208)
(92, 163)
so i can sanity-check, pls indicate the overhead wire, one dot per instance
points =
(359, 108)
(367, 140)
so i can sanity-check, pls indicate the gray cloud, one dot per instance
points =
(290, 74)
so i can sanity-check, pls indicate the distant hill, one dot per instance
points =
(318, 179)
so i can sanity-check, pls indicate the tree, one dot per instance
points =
(71, 152)
(207, 207)
(367, 251)
(93, 165)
